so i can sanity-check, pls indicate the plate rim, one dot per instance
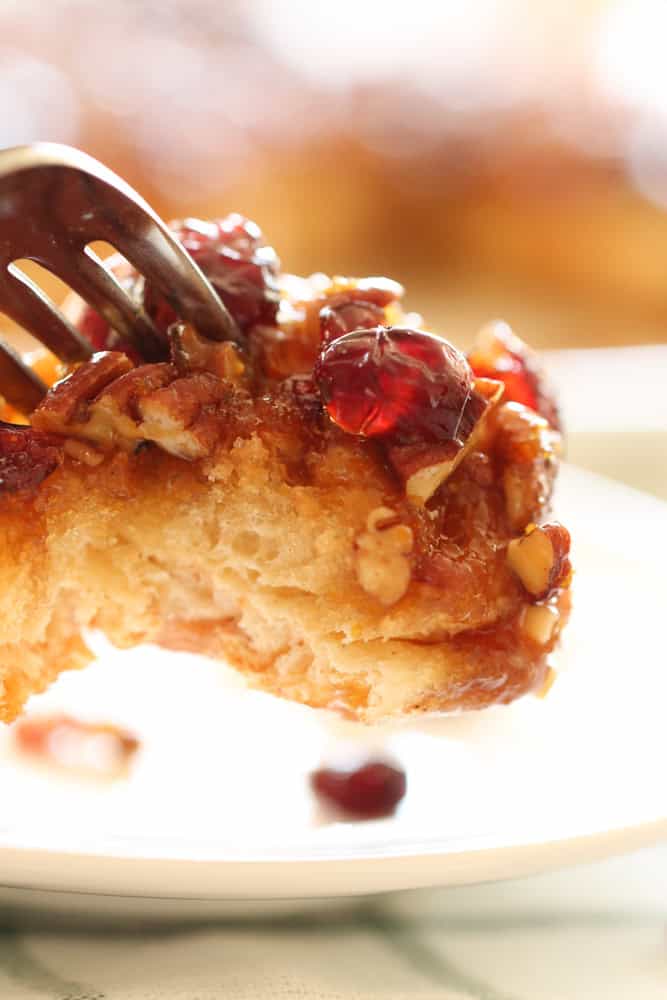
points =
(141, 876)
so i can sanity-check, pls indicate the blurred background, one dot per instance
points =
(499, 158)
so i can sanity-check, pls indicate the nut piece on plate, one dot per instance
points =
(540, 559)
(102, 749)
(382, 556)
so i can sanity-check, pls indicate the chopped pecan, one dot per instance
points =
(528, 449)
(540, 559)
(383, 556)
(111, 404)
(539, 622)
(180, 416)
(67, 403)
(191, 352)
(425, 466)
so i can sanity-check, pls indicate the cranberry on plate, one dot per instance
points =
(371, 791)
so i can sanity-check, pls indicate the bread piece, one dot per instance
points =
(211, 503)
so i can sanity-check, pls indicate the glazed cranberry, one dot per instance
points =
(337, 320)
(369, 792)
(500, 354)
(234, 256)
(102, 337)
(93, 326)
(391, 380)
(26, 457)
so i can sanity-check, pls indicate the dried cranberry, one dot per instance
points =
(102, 337)
(337, 320)
(94, 328)
(236, 259)
(500, 354)
(26, 458)
(371, 791)
(391, 380)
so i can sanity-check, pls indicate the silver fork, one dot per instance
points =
(54, 201)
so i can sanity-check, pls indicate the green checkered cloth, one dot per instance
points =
(594, 933)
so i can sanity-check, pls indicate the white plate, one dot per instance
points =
(218, 808)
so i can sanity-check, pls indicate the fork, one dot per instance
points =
(55, 201)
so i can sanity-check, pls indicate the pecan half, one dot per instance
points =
(111, 404)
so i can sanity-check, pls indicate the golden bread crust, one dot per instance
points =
(252, 554)
(215, 501)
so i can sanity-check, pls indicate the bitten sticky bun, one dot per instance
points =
(341, 504)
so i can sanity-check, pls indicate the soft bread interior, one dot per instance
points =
(230, 560)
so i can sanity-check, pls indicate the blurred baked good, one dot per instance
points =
(516, 166)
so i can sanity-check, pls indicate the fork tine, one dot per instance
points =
(20, 385)
(27, 304)
(142, 238)
(87, 276)
(55, 201)
(120, 216)
(178, 279)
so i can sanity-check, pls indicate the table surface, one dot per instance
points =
(591, 933)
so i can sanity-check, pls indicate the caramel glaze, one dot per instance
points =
(460, 535)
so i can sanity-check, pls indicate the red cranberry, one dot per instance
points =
(500, 354)
(26, 457)
(390, 380)
(337, 320)
(93, 326)
(102, 337)
(235, 258)
(370, 792)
